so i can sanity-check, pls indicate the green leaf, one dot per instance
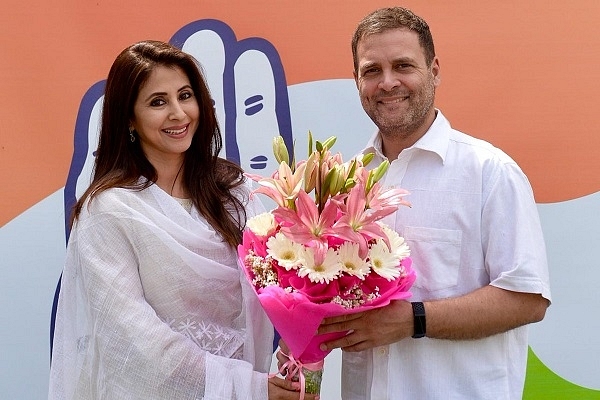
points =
(319, 146)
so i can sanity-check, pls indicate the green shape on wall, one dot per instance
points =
(543, 384)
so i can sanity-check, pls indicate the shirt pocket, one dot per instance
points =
(436, 256)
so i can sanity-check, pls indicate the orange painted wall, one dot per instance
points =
(521, 74)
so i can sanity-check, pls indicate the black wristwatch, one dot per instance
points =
(419, 319)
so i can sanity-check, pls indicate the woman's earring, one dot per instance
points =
(131, 135)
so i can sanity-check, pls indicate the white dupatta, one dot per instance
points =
(153, 306)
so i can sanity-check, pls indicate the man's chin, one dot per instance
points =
(391, 127)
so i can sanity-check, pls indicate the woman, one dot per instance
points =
(152, 304)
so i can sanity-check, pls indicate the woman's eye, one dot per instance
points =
(157, 102)
(186, 95)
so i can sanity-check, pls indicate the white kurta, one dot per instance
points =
(153, 306)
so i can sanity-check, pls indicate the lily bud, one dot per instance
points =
(329, 142)
(280, 150)
(335, 180)
(352, 168)
(380, 171)
(310, 173)
(349, 184)
(325, 186)
(367, 158)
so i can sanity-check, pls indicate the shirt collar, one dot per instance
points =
(435, 139)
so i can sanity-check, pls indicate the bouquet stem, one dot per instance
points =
(312, 379)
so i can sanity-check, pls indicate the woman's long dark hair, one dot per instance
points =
(209, 180)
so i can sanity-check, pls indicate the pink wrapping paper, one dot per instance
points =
(297, 318)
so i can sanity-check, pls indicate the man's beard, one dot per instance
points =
(404, 125)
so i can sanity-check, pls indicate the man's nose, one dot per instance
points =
(389, 81)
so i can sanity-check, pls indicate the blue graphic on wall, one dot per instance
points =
(249, 91)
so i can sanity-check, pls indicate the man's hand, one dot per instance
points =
(377, 327)
(484, 312)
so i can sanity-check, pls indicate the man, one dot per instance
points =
(475, 237)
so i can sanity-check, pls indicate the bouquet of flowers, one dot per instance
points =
(323, 251)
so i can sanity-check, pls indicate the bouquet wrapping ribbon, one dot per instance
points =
(292, 368)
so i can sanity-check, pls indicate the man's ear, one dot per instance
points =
(435, 71)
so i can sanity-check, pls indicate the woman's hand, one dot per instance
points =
(282, 389)
(282, 358)
(285, 388)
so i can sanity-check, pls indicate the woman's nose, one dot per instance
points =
(176, 111)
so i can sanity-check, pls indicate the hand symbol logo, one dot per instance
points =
(248, 85)
(249, 90)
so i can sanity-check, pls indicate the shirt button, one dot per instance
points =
(382, 351)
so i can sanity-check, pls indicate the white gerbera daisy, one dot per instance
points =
(351, 261)
(385, 263)
(262, 224)
(324, 272)
(287, 253)
(397, 242)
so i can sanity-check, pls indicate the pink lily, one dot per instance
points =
(307, 224)
(357, 224)
(283, 186)
(380, 198)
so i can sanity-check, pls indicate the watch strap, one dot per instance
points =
(419, 319)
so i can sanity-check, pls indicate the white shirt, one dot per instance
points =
(473, 222)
